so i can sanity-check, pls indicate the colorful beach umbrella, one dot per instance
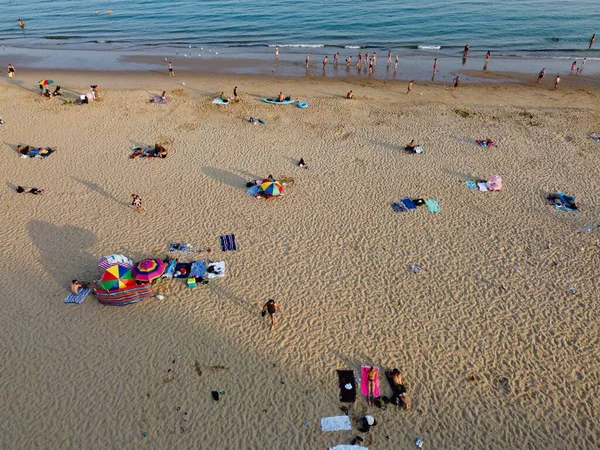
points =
(46, 82)
(116, 277)
(149, 269)
(271, 187)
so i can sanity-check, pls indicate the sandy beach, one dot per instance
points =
(498, 342)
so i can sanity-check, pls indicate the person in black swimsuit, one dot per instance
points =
(31, 190)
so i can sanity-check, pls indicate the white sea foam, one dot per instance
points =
(303, 45)
(429, 47)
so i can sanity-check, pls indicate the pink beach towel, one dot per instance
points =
(364, 387)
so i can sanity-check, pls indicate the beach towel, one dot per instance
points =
(595, 136)
(79, 298)
(347, 384)
(115, 259)
(398, 207)
(170, 270)
(432, 205)
(220, 101)
(216, 269)
(561, 201)
(159, 100)
(471, 184)
(482, 186)
(253, 190)
(198, 269)
(348, 447)
(182, 247)
(335, 423)
(408, 203)
(364, 387)
(228, 242)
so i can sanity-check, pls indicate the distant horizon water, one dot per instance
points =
(507, 28)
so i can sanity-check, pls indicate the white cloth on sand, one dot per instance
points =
(335, 423)
(219, 269)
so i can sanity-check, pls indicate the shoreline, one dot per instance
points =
(418, 68)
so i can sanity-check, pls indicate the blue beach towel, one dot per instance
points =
(432, 205)
(79, 298)
(198, 269)
(408, 203)
(564, 200)
(228, 242)
(471, 184)
(398, 207)
(253, 190)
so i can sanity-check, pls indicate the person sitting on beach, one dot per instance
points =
(350, 95)
(224, 97)
(280, 97)
(163, 96)
(47, 93)
(31, 190)
(56, 91)
(413, 147)
(302, 164)
(76, 285)
(95, 91)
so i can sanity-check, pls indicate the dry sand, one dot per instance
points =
(497, 351)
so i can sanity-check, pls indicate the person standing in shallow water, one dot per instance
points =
(541, 75)
(488, 55)
(592, 40)
(22, 25)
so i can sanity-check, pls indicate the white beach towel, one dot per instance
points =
(482, 187)
(219, 267)
(335, 423)
(348, 447)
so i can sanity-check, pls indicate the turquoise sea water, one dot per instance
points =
(544, 28)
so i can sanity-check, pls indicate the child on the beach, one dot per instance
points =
(136, 202)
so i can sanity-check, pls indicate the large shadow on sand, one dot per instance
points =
(228, 178)
(63, 251)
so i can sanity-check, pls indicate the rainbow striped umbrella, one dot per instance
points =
(46, 82)
(271, 187)
(149, 269)
(116, 277)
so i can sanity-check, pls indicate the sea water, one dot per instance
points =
(532, 28)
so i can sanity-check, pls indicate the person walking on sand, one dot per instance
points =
(22, 24)
(272, 308)
(371, 380)
(573, 67)
(171, 71)
(456, 82)
(410, 85)
(592, 40)
(541, 75)
(11, 71)
(307, 59)
(136, 202)
(435, 65)
(235, 94)
(556, 81)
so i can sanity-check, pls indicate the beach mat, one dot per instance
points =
(198, 269)
(408, 203)
(182, 247)
(346, 377)
(348, 447)
(432, 205)
(228, 242)
(159, 100)
(336, 423)
(79, 298)
(364, 387)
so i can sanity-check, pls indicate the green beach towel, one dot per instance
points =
(432, 205)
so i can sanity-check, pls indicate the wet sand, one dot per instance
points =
(498, 342)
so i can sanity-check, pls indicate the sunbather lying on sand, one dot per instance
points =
(31, 190)
(35, 151)
(157, 152)
(76, 285)
(399, 397)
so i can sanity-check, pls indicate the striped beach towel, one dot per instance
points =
(182, 247)
(228, 242)
(79, 297)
